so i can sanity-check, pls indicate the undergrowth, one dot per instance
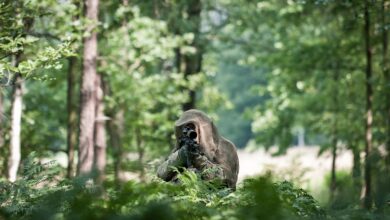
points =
(39, 194)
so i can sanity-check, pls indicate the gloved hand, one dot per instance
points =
(182, 157)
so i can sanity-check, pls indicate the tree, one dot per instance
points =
(16, 110)
(334, 134)
(184, 18)
(72, 115)
(193, 62)
(144, 94)
(71, 102)
(88, 92)
(17, 105)
(1, 118)
(115, 133)
(367, 197)
(386, 73)
(100, 131)
(301, 46)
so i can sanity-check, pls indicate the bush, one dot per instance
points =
(38, 195)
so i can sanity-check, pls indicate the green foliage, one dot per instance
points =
(302, 203)
(41, 194)
(32, 198)
(44, 129)
(149, 96)
(20, 38)
(237, 82)
(346, 194)
(143, 82)
(22, 197)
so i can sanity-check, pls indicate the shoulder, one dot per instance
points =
(227, 151)
(226, 145)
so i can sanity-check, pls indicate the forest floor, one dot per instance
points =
(301, 165)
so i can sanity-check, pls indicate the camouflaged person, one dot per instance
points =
(211, 155)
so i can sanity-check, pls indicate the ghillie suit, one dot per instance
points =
(211, 155)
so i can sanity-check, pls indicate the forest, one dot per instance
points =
(90, 91)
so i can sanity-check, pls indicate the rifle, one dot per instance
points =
(188, 140)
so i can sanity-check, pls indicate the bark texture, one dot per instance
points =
(88, 93)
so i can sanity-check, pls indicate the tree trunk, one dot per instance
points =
(3, 161)
(116, 117)
(115, 129)
(87, 92)
(178, 59)
(333, 181)
(193, 62)
(356, 168)
(386, 73)
(367, 197)
(1, 119)
(140, 149)
(72, 116)
(100, 131)
(16, 112)
(16, 119)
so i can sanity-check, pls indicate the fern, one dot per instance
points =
(40, 195)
